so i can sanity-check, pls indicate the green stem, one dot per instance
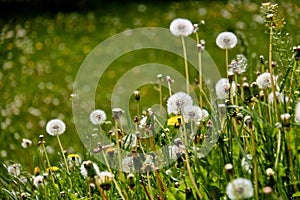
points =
(271, 75)
(62, 151)
(185, 66)
(188, 163)
(226, 58)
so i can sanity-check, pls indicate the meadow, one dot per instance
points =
(252, 136)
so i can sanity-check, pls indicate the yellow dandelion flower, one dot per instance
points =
(173, 121)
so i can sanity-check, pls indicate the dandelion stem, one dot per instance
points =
(226, 60)
(291, 160)
(62, 151)
(188, 163)
(114, 180)
(254, 163)
(199, 69)
(185, 66)
(278, 149)
(160, 97)
(271, 74)
(149, 185)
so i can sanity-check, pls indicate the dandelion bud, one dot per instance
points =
(111, 133)
(196, 28)
(36, 171)
(38, 181)
(23, 195)
(136, 119)
(176, 184)
(41, 137)
(168, 78)
(267, 190)
(248, 121)
(104, 180)
(117, 113)
(196, 81)
(229, 168)
(296, 52)
(159, 77)
(274, 64)
(137, 95)
(261, 57)
(131, 181)
(63, 194)
(286, 119)
(270, 172)
(26, 143)
(89, 169)
(178, 141)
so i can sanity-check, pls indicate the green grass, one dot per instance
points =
(38, 70)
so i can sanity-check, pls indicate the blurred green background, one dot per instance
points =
(43, 43)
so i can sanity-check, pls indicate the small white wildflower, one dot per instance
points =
(223, 88)
(177, 102)
(192, 113)
(97, 117)
(89, 169)
(38, 181)
(264, 80)
(246, 163)
(239, 188)
(26, 143)
(297, 113)
(239, 64)
(14, 169)
(181, 27)
(226, 40)
(270, 172)
(55, 127)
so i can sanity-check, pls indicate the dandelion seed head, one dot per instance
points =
(239, 64)
(127, 164)
(239, 188)
(264, 80)
(223, 88)
(226, 40)
(181, 27)
(177, 102)
(192, 114)
(55, 127)
(97, 117)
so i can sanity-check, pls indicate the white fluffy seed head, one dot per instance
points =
(239, 188)
(177, 102)
(264, 80)
(97, 117)
(181, 27)
(226, 40)
(55, 127)
(223, 88)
